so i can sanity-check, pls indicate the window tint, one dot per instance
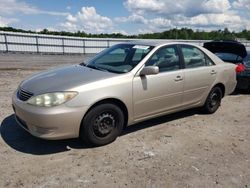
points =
(247, 58)
(193, 57)
(139, 55)
(117, 55)
(229, 57)
(166, 58)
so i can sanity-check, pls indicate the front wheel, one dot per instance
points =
(213, 100)
(102, 124)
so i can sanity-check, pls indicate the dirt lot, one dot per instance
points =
(186, 149)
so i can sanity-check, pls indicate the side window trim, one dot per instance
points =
(181, 57)
(209, 60)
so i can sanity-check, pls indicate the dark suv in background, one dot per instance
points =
(233, 52)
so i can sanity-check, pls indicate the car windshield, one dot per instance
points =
(119, 58)
(229, 57)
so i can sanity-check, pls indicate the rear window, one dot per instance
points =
(229, 57)
(247, 60)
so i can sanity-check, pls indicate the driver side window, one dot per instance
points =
(166, 58)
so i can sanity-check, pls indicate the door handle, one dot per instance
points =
(178, 78)
(213, 72)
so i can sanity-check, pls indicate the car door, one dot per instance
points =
(199, 74)
(155, 94)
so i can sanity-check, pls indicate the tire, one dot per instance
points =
(102, 124)
(213, 101)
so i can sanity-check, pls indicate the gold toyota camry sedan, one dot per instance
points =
(123, 85)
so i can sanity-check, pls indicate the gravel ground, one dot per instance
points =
(186, 149)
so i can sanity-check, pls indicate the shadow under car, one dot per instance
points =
(22, 141)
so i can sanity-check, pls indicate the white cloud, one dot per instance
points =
(153, 24)
(143, 31)
(219, 20)
(6, 21)
(143, 5)
(121, 31)
(132, 18)
(69, 26)
(228, 20)
(71, 18)
(241, 4)
(14, 6)
(215, 6)
(168, 7)
(88, 20)
(160, 23)
(158, 15)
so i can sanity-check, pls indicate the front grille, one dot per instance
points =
(24, 95)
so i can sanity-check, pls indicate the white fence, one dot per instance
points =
(37, 43)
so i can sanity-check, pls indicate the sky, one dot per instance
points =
(125, 16)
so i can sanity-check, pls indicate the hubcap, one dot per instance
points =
(104, 124)
(214, 99)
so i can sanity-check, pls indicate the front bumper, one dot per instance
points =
(52, 123)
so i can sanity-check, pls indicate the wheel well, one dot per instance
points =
(117, 102)
(222, 87)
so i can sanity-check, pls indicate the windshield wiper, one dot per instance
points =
(93, 66)
(96, 67)
(83, 64)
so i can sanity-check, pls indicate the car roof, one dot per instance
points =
(156, 43)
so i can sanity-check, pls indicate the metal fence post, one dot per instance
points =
(108, 44)
(84, 47)
(37, 45)
(6, 42)
(63, 45)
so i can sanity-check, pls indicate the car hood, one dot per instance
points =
(63, 79)
(226, 47)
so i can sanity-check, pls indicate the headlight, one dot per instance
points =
(51, 99)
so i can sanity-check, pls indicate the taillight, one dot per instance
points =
(240, 68)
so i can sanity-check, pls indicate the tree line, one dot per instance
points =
(183, 33)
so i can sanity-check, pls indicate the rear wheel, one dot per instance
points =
(102, 124)
(213, 100)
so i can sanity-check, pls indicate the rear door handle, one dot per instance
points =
(213, 72)
(178, 78)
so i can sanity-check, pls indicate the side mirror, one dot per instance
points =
(149, 70)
